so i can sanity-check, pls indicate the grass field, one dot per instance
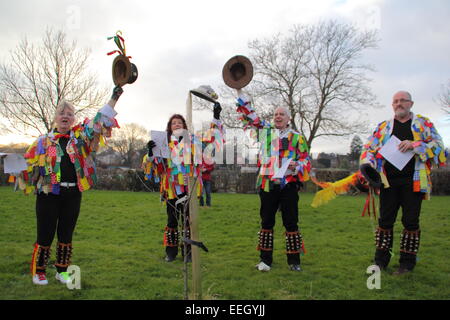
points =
(118, 246)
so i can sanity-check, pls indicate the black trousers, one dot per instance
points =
(174, 214)
(286, 200)
(57, 214)
(399, 195)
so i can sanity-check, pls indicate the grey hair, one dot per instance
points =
(62, 105)
(407, 93)
(286, 109)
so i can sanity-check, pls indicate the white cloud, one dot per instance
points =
(178, 45)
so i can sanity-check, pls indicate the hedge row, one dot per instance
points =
(133, 180)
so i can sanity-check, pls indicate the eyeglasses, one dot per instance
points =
(401, 101)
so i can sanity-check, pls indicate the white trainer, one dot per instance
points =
(262, 266)
(63, 277)
(40, 278)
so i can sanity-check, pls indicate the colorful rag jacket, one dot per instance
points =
(428, 148)
(272, 153)
(44, 155)
(185, 161)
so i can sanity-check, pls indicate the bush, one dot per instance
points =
(440, 179)
(326, 175)
(227, 180)
(124, 180)
(3, 177)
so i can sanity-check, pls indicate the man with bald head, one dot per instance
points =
(405, 187)
(278, 190)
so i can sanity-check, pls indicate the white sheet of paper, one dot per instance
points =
(162, 146)
(14, 163)
(282, 171)
(391, 153)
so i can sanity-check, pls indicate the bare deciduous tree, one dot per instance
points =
(130, 142)
(315, 71)
(444, 98)
(38, 77)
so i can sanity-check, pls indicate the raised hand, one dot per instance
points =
(150, 145)
(217, 110)
(117, 92)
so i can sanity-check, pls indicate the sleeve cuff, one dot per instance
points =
(108, 111)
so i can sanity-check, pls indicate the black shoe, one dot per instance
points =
(169, 259)
(382, 267)
(295, 267)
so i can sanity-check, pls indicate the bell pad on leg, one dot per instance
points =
(294, 242)
(383, 238)
(265, 242)
(410, 241)
(63, 255)
(171, 237)
(40, 257)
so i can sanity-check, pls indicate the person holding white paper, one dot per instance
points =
(173, 172)
(405, 187)
(60, 168)
(284, 163)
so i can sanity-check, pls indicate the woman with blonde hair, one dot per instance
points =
(60, 168)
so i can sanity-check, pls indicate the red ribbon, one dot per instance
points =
(112, 52)
(369, 206)
(33, 259)
(303, 247)
(60, 135)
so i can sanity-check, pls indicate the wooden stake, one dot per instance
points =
(193, 217)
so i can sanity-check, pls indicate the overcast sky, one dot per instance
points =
(178, 45)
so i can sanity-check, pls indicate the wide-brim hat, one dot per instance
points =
(237, 72)
(371, 175)
(123, 71)
(205, 92)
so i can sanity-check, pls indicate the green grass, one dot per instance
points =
(118, 246)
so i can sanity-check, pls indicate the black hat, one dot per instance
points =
(371, 175)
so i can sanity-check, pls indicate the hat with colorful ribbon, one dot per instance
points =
(123, 71)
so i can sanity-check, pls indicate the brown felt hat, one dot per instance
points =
(123, 71)
(237, 72)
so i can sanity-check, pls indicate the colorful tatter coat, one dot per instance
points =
(185, 161)
(44, 155)
(428, 148)
(274, 151)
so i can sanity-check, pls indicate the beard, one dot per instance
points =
(401, 113)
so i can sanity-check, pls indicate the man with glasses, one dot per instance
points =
(407, 187)
(278, 190)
